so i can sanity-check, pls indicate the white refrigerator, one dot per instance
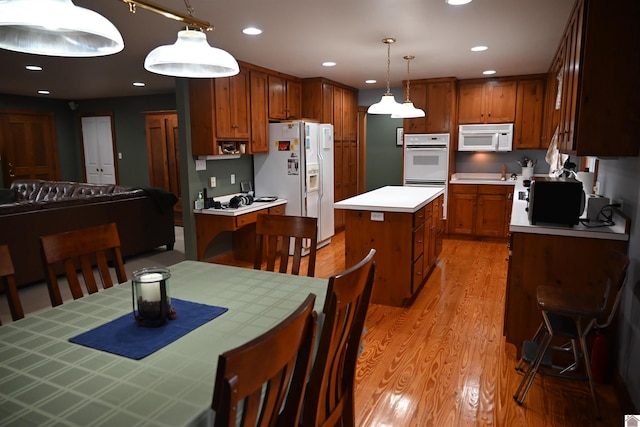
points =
(299, 168)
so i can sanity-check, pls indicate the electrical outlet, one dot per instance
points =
(212, 182)
(233, 178)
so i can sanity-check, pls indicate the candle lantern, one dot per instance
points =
(150, 295)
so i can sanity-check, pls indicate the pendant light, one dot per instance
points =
(387, 104)
(191, 55)
(56, 28)
(407, 110)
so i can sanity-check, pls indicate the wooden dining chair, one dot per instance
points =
(262, 382)
(8, 280)
(80, 250)
(274, 234)
(329, 396)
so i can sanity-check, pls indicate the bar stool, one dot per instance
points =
(570, 315)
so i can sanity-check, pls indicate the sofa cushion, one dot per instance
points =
(84, 189)
(55, 190)
(26, 189)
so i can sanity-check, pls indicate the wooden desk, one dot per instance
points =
(211, 222)
(45, 379)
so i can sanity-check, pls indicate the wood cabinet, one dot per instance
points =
(596, 75)
(437, 97)
(163, 152)
(487, 101)
(529, 113)
(259, 94)
(479, 209)
(405, 250)
(331, 102)
(219, 111)
(285, 98)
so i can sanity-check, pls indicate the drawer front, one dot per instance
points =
(278, 210)
(494, 189)
(418, 276)
(245, 219)
(463, 188)
(418, 241)
(428, 210)
(419, 217)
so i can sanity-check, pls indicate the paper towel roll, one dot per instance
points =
(587, 181)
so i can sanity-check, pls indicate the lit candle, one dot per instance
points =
(150, 286)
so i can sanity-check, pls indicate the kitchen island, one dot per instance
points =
(546, 254)
(404, 225)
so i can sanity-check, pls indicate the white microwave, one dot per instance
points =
(489, 137)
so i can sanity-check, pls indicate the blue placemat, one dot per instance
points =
(124, 337)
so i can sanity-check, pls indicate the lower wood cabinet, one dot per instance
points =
(479, 209)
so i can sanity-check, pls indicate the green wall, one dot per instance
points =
(384, 157)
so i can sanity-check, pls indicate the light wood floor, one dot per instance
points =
(444, 362)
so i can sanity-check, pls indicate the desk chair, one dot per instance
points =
(274, 233)
(81, 250)
(570, 315)
(7, 278)
(329, 396)
(262, 382)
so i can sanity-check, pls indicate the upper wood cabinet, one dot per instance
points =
(596, 80)
(259, 120)
(529, 112)
(219, 110)
(437, 97)
(487, 101)
(285, 98)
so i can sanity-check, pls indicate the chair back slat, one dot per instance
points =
(262, 383)
(7, 277)
(276, 233)
(329, 397)
(80, 251)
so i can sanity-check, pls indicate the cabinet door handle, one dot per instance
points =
(11, 172)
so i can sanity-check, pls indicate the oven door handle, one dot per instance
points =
(426, 148)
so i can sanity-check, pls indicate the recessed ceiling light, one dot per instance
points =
(329, 64)
(33, 68)
(457, 2)
(370, 81)
(252, 31)
(138, 84)
(44, 92)
(479, 48)
(487, 72)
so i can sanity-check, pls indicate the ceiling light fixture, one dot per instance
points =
(407, 110)
(387, 104)
(56, 28)
(252, 31)
(329, 64)
(457, 2)
(191, 55)
(489, 72)
(479, 48)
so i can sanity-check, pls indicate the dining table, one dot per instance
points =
(47, 380)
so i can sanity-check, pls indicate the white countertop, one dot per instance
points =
(481, 178)
(520, 223)
(242, 210)
(391, 199)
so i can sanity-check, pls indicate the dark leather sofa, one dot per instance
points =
(32, 208)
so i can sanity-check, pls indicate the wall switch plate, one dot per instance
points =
(377, 216)
(201, 165)
(233, 178)
(212, 182)
(119, 156)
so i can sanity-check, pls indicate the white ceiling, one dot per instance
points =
(299, 35)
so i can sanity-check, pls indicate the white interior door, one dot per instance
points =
(99, 159)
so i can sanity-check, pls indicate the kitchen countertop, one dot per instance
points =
(481, 178)
(520, 223)
(242, 210)
(392, 199)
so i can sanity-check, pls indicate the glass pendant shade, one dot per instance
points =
(387, 105)
(191, 56)
(56, 28)
(407, 111)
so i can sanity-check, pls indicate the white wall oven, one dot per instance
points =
(426, 161)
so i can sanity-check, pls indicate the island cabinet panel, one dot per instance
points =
(406, 249)
(566, 262)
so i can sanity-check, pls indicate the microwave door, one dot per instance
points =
(478, 141)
